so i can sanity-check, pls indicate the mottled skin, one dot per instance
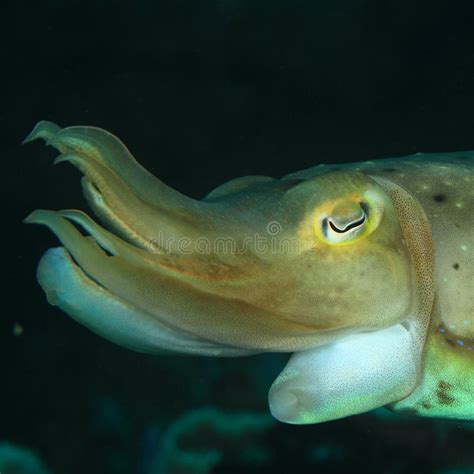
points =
(444, 185)
(364, 271)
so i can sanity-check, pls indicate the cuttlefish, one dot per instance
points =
(364, 272)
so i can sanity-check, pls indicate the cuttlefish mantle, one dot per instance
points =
(363, 272)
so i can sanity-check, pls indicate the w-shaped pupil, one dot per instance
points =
(348, 226)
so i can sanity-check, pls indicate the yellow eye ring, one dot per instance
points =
(347, 220)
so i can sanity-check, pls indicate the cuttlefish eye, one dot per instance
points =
(345, 221)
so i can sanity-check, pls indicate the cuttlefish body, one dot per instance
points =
(364, 272)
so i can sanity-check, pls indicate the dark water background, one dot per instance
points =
(204, 91)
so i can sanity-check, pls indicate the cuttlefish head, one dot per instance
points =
(336, 268)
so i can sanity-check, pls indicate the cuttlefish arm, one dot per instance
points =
(336, 269)
(68, 287)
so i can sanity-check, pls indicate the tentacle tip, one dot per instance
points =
(30, 137)
(30, 218)
(59, 159)
(37, 216)
(42, 129)
(66, 158)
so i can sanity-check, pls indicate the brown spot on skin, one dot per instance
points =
(439, 198)
(426, 405)
(457, 225)
(456, 266)
(450, 342)
(442, 393)
(389, 170)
